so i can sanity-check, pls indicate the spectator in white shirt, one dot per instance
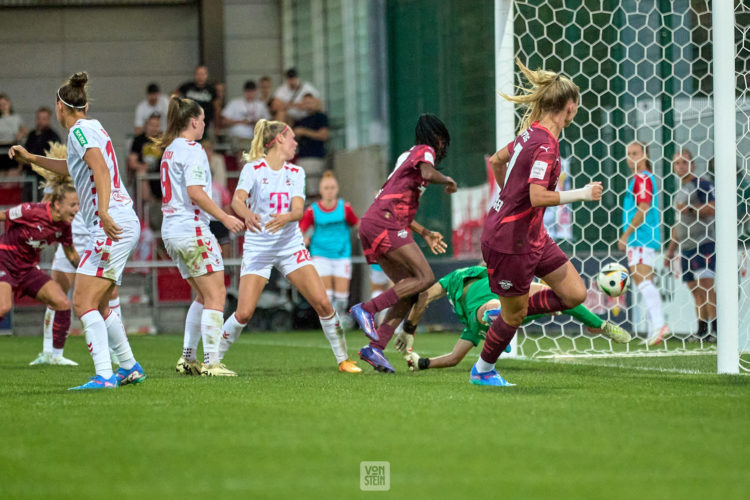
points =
(289, 97)
(154, 103)
(241, 115)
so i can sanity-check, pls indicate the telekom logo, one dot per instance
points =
(282, 201)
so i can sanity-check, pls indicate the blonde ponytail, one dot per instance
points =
(264, 135)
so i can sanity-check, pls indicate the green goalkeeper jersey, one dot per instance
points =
(466, 304)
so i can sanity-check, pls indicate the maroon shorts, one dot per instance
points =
(511, 274)
(28, 282)
(378, 241)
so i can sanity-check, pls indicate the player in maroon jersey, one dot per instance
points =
(515, 245)
(28, 228)
(386, 239)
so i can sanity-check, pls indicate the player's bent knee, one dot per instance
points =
(4, 310)
(61, 304)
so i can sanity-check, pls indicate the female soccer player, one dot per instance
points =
(641, 236)
(386, 240)
(330, 243)
(187, 205)
(468, 291)
(113, 226)
(515, 244)
(270, 197)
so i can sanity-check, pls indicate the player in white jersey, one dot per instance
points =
(113, 227)
(270, 197)
(186, 206)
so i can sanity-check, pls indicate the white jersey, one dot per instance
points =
(183, 164)
(84, 135)
(79, 225)
(270, 192)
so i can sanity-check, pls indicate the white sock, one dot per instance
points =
(229, 333)
(49, 319)
(652, 301)
(96, 341)
(211, 324)
(335, 335)
(57, 352)
(114, 304)
(118, 341)
(340, 301)
(483, 366)
(192, 331)
(331, 294)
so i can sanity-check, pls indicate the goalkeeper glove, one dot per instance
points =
(404, 342)
(412, 359)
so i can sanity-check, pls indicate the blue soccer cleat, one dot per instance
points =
(491, 315)
(376, 358)
(135, 375)
(365, 321)
(488, 378)
(97, 382)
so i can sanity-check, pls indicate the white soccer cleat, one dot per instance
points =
(659, 336)
(616, 333)
(217, 370)
(43, 358)
(185, 367)
(63, 361)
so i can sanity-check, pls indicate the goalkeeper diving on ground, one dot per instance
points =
(468, 291)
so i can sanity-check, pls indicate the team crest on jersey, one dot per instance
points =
(265, 180)
(58, 234)
(403, 233)
(505, 284)
(34, 243)
(288, 182)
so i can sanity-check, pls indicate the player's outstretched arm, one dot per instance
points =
(430, 174)
(55, 165)
(433, 238)
(198, 196)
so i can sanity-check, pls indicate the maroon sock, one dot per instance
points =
(385, 332)
(498, 337)
(60, 327)
(545, 302)
(382, 301)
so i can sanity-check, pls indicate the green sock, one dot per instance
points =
(585, 316)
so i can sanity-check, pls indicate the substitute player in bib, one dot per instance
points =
(270, 197)
(641, 237)
(387, 241)
(330, 244)
(468, 291)
(187, 207)
(515, 245)
(113, 227)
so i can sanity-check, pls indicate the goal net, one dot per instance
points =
(644, 68)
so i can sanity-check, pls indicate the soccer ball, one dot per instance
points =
(613, 279)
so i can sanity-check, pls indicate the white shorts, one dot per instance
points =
(61, 263)
(105, 258)
(261, 263)
(378, 277)
(195, 255)
(338, 268)
(641, 255)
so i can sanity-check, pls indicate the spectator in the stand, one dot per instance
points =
(694, 233)
(312, 133)
(289, 97)
(144, 158)
(220, 194)
(154, 103)
(266, 94)
(241, 115)
(36, 143)
(219, 104)
(12, 131)
(201, 92)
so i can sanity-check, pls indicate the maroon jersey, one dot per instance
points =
(397, 201)
(28, 229)
(513, 226)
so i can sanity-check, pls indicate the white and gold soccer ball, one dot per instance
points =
(613, 279)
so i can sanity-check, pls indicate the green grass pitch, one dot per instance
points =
(291, 426)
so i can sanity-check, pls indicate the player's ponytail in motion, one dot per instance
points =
(431, 131)
(74, 92)
(55, 185)
(265, 134)
(549, 93)
(181, 110)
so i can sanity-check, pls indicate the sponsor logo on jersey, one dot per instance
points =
(199, 174)
(15, 212)
(505, 284)
(35, 243)
(402, 233)
(78, 133)
(120, 197)
(538, 169)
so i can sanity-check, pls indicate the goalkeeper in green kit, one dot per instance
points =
(468, 290)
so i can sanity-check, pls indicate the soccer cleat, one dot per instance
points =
(216, 370)
(488, 378)
(619, 335)
(135, 375)
(43, 358)
(62, 361)
(349, 366)
(185, 367)
(365, 321)
(97, 382)
(376, 358)
(657, 338)
(490, 315)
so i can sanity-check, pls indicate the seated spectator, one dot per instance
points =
(37, 141)
(12, 132)
(219, 104)
(241, 115)
(312, 133)
(264, 86)
(154, 103)
(288, 98)
(145, 158)
(201, 92)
